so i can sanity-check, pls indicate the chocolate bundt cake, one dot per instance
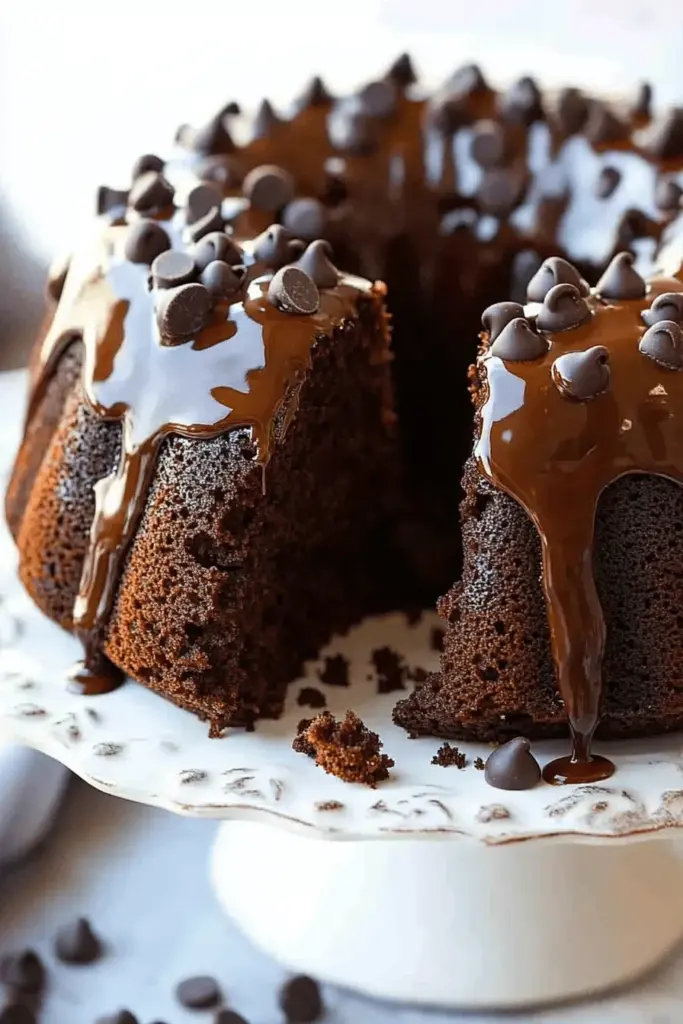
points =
(569, 606)
(210, 481)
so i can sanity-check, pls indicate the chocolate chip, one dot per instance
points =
(316, 94)
(667, 306)
(151, 191)
(522, 102)
(663, 342)
(145, 241)
(563, 308)
(56, 277)
(294, 291)
(305, 218)
(122, 1017)
(402, 72)
(554, 270)
(183, 311)
(668, 194)
(228, 1017)
(572, 111)
(145, 163)
(582, 375)
(467, 81)
(607, 183)
(666, 135)
(17, 1013)
(449, 113)
(265, 120)
(223, 171)
(621, 280)
(635, 224)
(499, 191)
(76, 943)
(216, 245)
(268, 188)
(499, 315)
(603, 126)
(518, 342)
(378, 99)
(317, 264)
(210, 222)
(301, 1001)
(524, 266)
(512, 766)
(23, 972)
(275, 247)
(200, 201)
(110, 200)
(222, 280)
(489, 144)
(211, 139)
(172, 268)
(200, 993)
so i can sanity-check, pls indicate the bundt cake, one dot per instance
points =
(212, 479)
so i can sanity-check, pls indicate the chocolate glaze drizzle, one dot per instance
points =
(235, 372)
(555, 454)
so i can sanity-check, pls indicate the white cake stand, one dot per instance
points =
(433, 889)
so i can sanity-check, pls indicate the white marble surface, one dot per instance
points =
(140, 874)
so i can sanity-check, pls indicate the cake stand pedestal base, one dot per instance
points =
(455, 923)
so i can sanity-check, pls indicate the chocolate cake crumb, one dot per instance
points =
(492, 812)
(301, 1001)
(229, 1017)
(436, 638)
(417, 674)
(335, 671)
(479, 764)
(391, 669)
(310, 697)
(447, 755)
(300, 743)
(199, 993)
(329, 805)
(346, 749)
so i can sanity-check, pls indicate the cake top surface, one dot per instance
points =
(580, 387)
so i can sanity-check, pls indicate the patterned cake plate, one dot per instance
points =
(443, 912)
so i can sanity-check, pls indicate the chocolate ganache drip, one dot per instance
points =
(185, 333)
(598, 397)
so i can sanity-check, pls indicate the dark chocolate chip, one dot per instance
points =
(500, 190)
(111, 200)
(522, 102)
(518, 342)
(666, 135)
(667, 306)
(199, 993)
(56, 277)
(275, 247)
(211, 139)
(668, 194)
(173, 268)
(554, 270)
(76, 943)
(216, 245)
(316, 94)
(663, 342)
(221, 170)
(524, 266)
(301, 1001)
(151, 191)
(145, 163)
(378, 99)
(489, 144)
(23, 972)
(621, 280)
(582, 375)
(122, 1017)
(145, 241)
(496, 317)
(572, 111)
(632, 225)
(402, 72)
(183, 311)
(563, 308)
(268, 188)
(512, 766)
(305, 218)
(603, 126)
(264, 121)
(17, 1013)
(229, 1017)
(317, 264)
(466, 81)
(642, 104)
(294, 291)
(200, 200)
(222, 280)
(206, 225)
(608, 181)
